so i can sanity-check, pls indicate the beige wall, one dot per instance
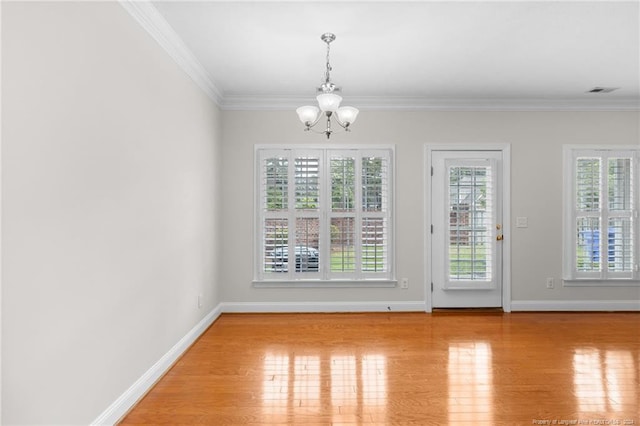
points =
(111, 204)
(536, 140)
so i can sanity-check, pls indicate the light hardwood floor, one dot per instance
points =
(405, 368)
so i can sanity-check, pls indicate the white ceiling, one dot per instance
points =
(418, 54)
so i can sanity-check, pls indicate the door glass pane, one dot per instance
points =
(470, 223)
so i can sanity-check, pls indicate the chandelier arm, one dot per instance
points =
(328, 131)
(317, 120)
(343, 125)
(324, 132)
(320, 132)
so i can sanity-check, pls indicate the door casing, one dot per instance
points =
(506, 215)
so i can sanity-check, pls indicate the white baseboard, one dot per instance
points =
(295, 307)
(131, 396)
(575, 305)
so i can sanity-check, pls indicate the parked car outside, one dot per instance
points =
(307, 259)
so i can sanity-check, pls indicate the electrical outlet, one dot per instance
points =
(550, 283)
(404, 283)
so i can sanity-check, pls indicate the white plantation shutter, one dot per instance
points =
(306, 245)
(601, 222)
(376, 214)
(343, 214)
(621, 212)
(273, 206)
(588, 194)
(324, 214)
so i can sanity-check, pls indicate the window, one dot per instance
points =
(324, 214)
(601, 214)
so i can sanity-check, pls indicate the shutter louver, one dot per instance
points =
(374, 239)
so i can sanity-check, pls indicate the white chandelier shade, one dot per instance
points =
(308, 114)
(328, 102)
(347, 114)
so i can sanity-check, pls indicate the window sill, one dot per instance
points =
(600, 283)
(326, 284)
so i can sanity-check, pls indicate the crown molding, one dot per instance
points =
(154, 23)
(390, 103)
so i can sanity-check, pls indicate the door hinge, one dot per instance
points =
(431, 287)
(431, 170)
(432, 229)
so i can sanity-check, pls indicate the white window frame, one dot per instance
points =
(324, 277)
(605, 278)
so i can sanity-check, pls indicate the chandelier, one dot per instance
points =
(328, 102)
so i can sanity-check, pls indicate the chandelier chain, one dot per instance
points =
(327, 76)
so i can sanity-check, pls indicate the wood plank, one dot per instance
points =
(404, 368)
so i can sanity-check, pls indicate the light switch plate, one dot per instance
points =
(522, 222)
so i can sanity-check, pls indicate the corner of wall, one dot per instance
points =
(121, 406)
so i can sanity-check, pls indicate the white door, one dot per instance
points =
(466, 245)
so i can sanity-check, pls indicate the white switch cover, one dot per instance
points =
(522, 222)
